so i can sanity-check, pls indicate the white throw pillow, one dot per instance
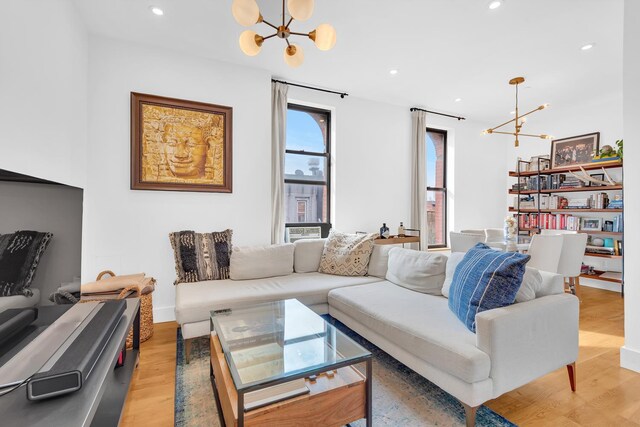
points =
(452, 262)
(306, 258)
(257, 262)
(531, 285)
(415, 270)
(346, 254)
(379, 261)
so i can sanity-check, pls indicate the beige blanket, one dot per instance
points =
(114, 284)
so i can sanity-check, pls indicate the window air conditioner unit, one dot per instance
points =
(297, 233)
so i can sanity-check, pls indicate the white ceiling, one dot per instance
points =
(443, 49)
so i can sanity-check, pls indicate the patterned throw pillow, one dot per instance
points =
(201, 256)
(483, 280)
(20, 254)
(346, 254)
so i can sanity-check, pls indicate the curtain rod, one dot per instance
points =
(440, 114)
(342, 94)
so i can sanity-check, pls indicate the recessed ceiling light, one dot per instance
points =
(495, 4)
(458, 99)
(588, 46)
(156, 10)
(393, 72)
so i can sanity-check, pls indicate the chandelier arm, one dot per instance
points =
(533, 136)
(268, 37)
(289, 23)
(287, 40)
(283, 9)
(519, 117)
(300, 34)
(270, 24)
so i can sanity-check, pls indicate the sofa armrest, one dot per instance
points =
(527, 340)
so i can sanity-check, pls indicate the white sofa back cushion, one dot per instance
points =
(379, 261)
(257, 262)
(418, 271)
(307, 255)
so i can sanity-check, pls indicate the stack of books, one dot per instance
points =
(571, 182)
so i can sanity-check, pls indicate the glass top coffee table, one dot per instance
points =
(283, 361)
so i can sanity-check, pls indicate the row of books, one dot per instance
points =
(549, 221)
(616, 249)
(547, 182)
(547, 201)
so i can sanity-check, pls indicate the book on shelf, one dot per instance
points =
(602, 250)
(266, 396)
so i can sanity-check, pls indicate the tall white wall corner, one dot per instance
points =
(630, 353)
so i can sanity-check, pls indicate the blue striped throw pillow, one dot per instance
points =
(485, 279)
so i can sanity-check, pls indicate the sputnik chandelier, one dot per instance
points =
(519, 120)
(247, 13)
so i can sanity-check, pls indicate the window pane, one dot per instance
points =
(305, 203)
(306, 131)
(435, 159)
(436, 215)
(310, 168)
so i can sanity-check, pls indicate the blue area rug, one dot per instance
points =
(401, 397)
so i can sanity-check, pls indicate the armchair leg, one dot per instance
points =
(187, 350)
(571, 369)
(470, 414)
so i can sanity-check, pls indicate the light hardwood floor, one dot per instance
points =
(606, 395)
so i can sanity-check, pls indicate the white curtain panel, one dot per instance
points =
(418, 175)
(278, 146)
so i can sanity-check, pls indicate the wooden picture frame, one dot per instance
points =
(591, 224)
(574, 151)
(180, 145)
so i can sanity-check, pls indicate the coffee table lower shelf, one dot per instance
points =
(331, 401)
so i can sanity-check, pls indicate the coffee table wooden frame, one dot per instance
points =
(336, 401)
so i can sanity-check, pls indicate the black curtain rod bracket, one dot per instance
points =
(439, 114)
(342, 94)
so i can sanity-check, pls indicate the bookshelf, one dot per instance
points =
(547, 183)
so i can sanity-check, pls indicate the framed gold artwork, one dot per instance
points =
(180, 145)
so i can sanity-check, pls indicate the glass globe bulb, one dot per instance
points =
(250, 43)
(300, 10)
(245, 12)
(293, 56)
(324, 37)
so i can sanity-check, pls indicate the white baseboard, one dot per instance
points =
(163, 314)
(601, 284)
(630, 358)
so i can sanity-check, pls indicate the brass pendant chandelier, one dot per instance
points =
(247, 13)
(519, 120)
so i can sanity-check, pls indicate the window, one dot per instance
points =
(307, 166)
(436, 200)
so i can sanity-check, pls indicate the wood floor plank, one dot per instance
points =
(606, 395)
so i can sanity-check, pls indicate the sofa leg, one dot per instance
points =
(571, 369)
(187, 350)
(470, 414)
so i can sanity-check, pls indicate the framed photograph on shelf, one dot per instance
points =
(179, 145)
(574, 151)
(541, 163)
(591, 224)
(599, 176)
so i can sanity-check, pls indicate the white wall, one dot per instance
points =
(47, 208)
(125, 230)
(630, 353)
(43, 87)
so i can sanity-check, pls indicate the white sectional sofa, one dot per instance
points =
(511, 347)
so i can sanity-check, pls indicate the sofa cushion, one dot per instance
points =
(379, 261)
(485, 279)
(201, 256)
(346, 254)
(415, 270)
(306, 258)
(20, 301)
(420, 324)
(452, 262)
(531, 284)
(256, 262)
(194, 301)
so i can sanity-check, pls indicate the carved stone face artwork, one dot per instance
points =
(186, 150)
